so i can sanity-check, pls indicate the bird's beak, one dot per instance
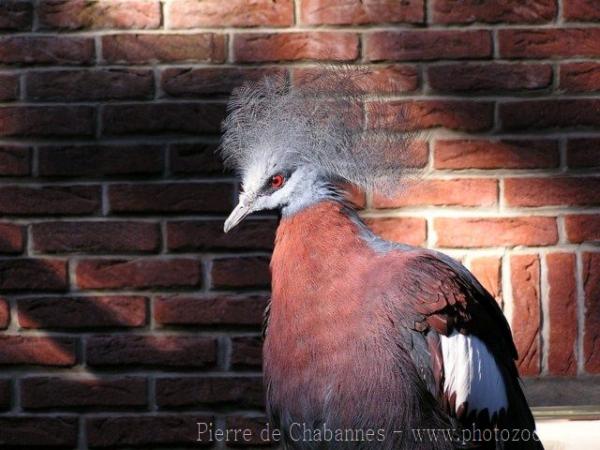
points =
(243, 208)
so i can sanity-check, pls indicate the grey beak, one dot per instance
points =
(243, 208)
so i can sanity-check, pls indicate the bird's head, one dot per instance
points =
(291, 145)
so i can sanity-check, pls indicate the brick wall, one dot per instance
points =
(128, 316)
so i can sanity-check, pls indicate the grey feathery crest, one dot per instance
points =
(320, 121)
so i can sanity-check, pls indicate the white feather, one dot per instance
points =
(471, 372)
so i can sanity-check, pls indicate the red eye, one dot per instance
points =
(277, 181)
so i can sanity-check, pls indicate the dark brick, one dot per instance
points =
(420, 114)
(46, 50)
(28, 274)
(151, 118)
(140, 273)
(591, 325)
(580, 77)
(31, 121)
(207, 235)
(185, 82)
(57, 392)
(171, 198)
(241, 272)
(549, 42)
(5, 393)
(181, 310)
(242, 392)
(38, 432)
(318, 45)
(428, 45)
(199, 158)
(157, 48)
(543, 114)
(246, 352)
(4, 322)
(39, 351)
(258, 432)
(16, 15)
(583, 153)
(12, 239)
(581, 10)
(100, 160)
(151, 351)
(15, 161)
(95, 237)
(9, 87)
(80, 14)
(489, 78)
(35, 201)
(82, 312)
(164, 431)
(75, 85)
(508, 11)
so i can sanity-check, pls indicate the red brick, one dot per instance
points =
(86, 14)
(583, 153)
(260, 433)
(196, 158)
(157, 48)
(526, 315)
(15, 161)
(591, 326)
(38, 351)
(296, 46)
(494, 77)
(241, 272)
(207, 235)
(428, 45)
(74, 85)
(99, 160)
(178, 310)
(562, 309)
(186, 82)
(357, 12)
(140, 273)
(549, 42)
(542, 114)
(151, 118)
(11, 238)
(458, 192)
(246, 352)
(4, 322)
(38, 432)
(28, 274)
(5, 393)
(387, 79)
(511, 11)
(46, 121)
(57, 392)
(95, 237)
(46, 50)
(580, 191)
(581, 10)
(82, 312)
(405, 115)
(496, 231)
(16, 15)
(488, 271)
(9, 87)
(149, 351)
(406, 230)
(171, 198)
(165, 431)
(583, 227)
(488, 154)
(580, 77)
(233, 13)
(242, 392)
(32, 201)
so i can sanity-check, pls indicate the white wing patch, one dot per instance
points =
(471, 372)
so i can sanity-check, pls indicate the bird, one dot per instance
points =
(368, 344)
